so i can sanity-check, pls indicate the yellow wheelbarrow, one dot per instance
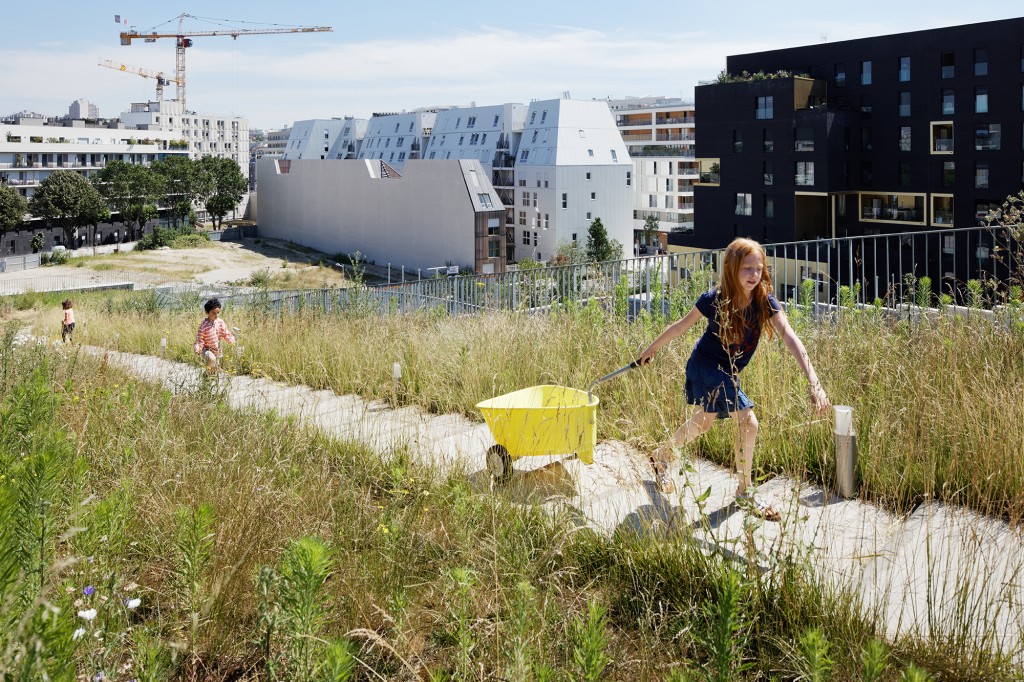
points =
(542, 420)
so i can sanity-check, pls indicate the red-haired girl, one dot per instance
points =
(738, 310)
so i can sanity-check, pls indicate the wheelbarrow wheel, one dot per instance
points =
(499, 463)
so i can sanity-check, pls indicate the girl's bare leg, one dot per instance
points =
(743, 445)
(693, 428)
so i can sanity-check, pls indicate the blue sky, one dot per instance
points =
(393, 56)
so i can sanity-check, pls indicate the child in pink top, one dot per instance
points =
(211, 331)
(67, 328)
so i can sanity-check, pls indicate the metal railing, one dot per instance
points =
(966, 266)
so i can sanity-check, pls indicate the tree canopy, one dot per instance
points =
(70, 201)
(225, 185)
(130, 189)
(183, 185)
(13, 208)
(599, 247)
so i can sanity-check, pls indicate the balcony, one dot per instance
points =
(636, 137)
(943, 146)
(673, 137)
(686, 120)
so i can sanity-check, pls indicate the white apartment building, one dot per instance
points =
(83, 108)
(31, 149)
(571, 166)
(325, 138)
(659, 133)
(225, 137)
(554, 166)
(397, 138)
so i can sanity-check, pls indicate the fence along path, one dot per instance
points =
(978, 267)
(940, 571)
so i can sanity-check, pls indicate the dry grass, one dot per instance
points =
(427, 578)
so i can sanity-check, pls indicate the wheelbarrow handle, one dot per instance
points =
(622, 370)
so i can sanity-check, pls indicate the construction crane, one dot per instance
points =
(183, 40)
(161, 79)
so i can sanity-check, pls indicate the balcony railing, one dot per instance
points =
(944, 145)
(676, 119)
(902, 215)
(673, 137)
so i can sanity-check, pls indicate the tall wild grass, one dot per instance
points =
(196, 542)
(938, 404)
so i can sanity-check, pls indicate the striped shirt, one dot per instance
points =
(209, 335)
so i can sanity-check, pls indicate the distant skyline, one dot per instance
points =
(403, 55)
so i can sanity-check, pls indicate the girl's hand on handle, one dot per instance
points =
(819, 401)
(646, 357)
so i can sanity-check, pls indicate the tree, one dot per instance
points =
(183, 185)
(599, 248)
(95, 211)
(651, 228)
(69, 200)
(225, 184)
(13, 208)
(131, 190)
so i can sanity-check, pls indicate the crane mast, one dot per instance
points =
(183, 41)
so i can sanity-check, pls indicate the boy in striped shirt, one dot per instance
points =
(211, 331)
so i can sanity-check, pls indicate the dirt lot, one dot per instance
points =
(286, 266)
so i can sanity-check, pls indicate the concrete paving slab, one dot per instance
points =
(953, 572)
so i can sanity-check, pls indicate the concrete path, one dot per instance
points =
(939, 572)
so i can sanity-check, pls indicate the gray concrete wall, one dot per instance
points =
(423, 219)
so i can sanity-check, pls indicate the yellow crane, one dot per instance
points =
(161, 79)
(183, 40)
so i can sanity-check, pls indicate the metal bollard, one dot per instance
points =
(846, 452)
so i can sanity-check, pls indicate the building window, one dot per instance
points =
(565, 200)
(865, 172)
(987, 138)
(865, 104)
(942, 137)
(629, 178)
(533, 115)
(865, 139)
(981, 61)
(590, 153)
(668, 184)
(840, 71)
(535, 199)
(948, 173)
(981, 175)
(535, 239)
(593, 196)
(904, 69)
(948, 103)
(573, 237)
(526, 198)
(615, 156)
(904, 104)
(865, 72)
(904, 138)
(543, 117)
(534, 138)
(737, 141)
(803, 140)
(841, 205)
(767, 141)
(804, 173)
(588, 176)
(471, 122)
(767, 173)
(652, 201)
(904, 174)
(524, 155)
(947, 65)
(981, 100)
(743, 204)
(493, 248)
(765, 107)
(522, 218)
(769, 206)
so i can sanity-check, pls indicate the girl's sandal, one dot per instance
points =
(662, 478)
(759, 508)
